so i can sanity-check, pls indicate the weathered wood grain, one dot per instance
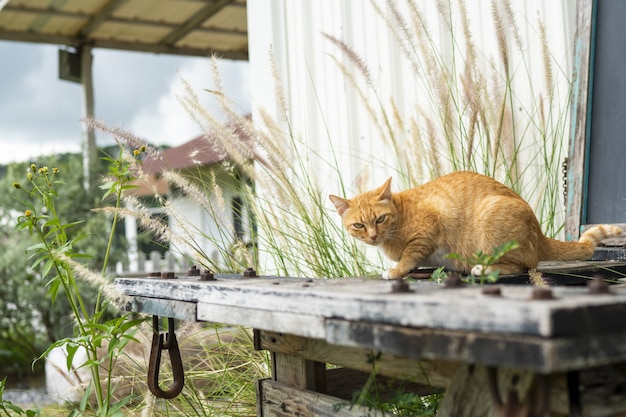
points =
(310, 326)
(162, 307)
(435, 373)
(280, 400)
(428, 305)
(299, 372)
(581, 101)
(544, 355)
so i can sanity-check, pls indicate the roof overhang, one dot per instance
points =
(180, 27)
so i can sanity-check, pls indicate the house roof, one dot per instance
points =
(197, 151)
(182, 27)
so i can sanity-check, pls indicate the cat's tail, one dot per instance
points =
(555, 250)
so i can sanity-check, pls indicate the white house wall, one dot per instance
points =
(324, 110)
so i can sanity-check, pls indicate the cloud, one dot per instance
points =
(166, 121)
(40, 114)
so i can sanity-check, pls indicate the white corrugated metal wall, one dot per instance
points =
(326, 112)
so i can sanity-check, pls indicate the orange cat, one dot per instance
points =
(460, 213)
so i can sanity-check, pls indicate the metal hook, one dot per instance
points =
(162, 342)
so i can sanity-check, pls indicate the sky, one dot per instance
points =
(41, 114)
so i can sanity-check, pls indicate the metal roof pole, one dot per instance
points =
(89, 135)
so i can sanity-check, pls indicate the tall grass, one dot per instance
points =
(469, 116)
(471, 112)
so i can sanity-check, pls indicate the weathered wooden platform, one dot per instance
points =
(504, 346)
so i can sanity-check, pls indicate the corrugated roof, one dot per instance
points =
(183, 27)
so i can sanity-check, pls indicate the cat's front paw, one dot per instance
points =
(392, 274)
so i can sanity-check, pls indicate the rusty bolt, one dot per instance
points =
(400, 286)
(168, 275)
(155, 274)
(249, 273)
(492, 291)
(453, 281)
(193, 271)
(540, 293)
(207, 275)
(598, 286)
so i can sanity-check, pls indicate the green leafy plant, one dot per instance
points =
(56, 259)
(389, 398)
(11, 410)
(487, 260)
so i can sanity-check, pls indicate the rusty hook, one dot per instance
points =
(167, 342)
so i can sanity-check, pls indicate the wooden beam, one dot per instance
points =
(524, 351)
(429, 372)
(164, 308)
(579, 128)
(280, 400)
(194, 22)
(122, 45)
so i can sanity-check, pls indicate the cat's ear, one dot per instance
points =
(341, 204)
(384, 191)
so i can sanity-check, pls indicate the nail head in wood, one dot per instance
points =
(452, 281)
(207, 275)
(400, 286)
(598, 286)
(492, 291)
(540, 293)
(249, 273)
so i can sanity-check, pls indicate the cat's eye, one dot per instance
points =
(358, 225)
(381, 219)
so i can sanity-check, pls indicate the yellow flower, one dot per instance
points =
(55, 170)
(28, 213)
(33, 167)
(136, 152)
(29, 175)
(17, 185)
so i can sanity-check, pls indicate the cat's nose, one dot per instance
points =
(373, 237)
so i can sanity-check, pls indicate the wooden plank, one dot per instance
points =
(570, 311)
(161, 307)
(576, 180)
(597, 393)
(528, 352)
(299, 372)
(435, 373)
(311, 326)
(280, 400)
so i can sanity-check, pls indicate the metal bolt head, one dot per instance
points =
(453, 281)
(540, 293)
(492, 291)
(193, 271)
(207, 275)
(400, 286)
(598, 286)
(249, 273)
(168, 275)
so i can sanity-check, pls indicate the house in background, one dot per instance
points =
(201, 220)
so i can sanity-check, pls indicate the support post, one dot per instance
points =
(89, 136)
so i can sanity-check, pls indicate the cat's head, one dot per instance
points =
(370, 216)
